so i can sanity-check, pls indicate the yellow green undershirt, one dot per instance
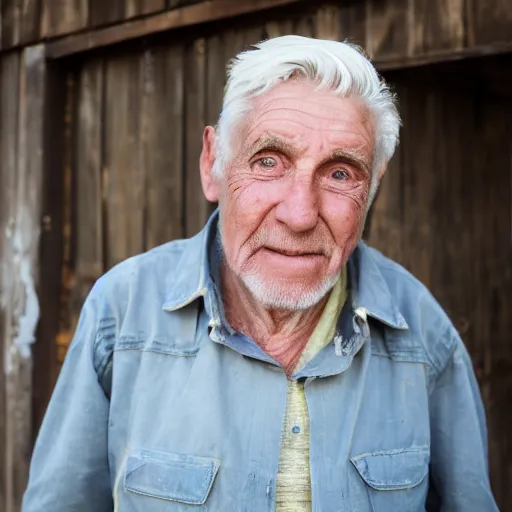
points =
(293, 486)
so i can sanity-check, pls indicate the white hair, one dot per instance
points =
(339, 67)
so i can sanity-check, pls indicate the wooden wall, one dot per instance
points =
(21, 157)
(394, 31)
(444, 211)
(25, 22)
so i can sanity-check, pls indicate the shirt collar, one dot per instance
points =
(369, 290)
(190, 279)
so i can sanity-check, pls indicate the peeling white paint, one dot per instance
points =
(18, 294)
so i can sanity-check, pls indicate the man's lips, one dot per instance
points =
(293, 252)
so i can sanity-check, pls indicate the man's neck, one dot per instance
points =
(282, 334)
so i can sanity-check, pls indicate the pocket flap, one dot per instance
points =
(170, 476)
(394, 469)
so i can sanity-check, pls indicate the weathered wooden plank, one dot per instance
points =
(489, 22)
(56, 201)
(123, 172)
(402, 62)
(59, 17)
(19, 302)
(327, 22)
(19, 22)
(252, 35)
(182, 17)
(104, 13)
(353, 22)
(142, 7)
(173, 4)
(216, 62)
(197, 208)
(88, 236)
(303, 26)
(162, 143)
(29, 21)
(234, 43)
(436, 25)
(9, 21)
(9, 98)
(281, 27)
(387, 28)
(488, 206)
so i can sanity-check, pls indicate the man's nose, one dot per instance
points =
(299, 206)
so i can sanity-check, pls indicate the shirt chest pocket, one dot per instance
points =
(153, 480)
(395, 480)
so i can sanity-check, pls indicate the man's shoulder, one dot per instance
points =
(146, 279)
(142, 270)
(428, 323)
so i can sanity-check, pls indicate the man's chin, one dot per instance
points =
(288, 295)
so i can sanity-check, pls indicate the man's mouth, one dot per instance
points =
(293, 252)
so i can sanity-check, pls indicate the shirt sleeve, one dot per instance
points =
(69, 469)
(459, 468)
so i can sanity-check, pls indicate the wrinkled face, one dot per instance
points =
(294, 197)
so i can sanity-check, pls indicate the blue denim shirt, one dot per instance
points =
(160, 406)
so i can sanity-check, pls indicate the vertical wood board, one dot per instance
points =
(59, 17)
(162, 141)
(123, 172)
(197, 208)
(489, 21)
(9, 99)
(88, 236)
(19, 302)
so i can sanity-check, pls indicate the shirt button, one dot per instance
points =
(296, 429)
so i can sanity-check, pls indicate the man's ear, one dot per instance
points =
(206, 163)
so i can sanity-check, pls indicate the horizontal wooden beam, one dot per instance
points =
(211, 10)
(443, 56)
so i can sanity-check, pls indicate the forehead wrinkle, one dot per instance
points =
(300, 111)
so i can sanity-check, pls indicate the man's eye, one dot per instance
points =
(268, 162)
(340, 175)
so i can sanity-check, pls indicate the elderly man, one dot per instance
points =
(273, 361)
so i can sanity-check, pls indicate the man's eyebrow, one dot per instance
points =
(271, 143)
(349, 156)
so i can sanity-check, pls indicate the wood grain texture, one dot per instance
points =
(19, 22)
(123, 173)
(327, 22)
(387, 28)
(88, 260)
(29, 20)
(489, 21)
(197, 208)
(174, 4)
(59, 17)
(19, 302)
(216, 62)
(135, 8)
(104, 13)
(162, 141)
(177, 18)
(353, 22)
(445, 213)
(9, 22)
(436, 25)
(56, 156)
(9, 99)
(303, 26)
